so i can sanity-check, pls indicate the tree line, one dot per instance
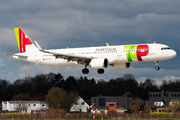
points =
(37, 87)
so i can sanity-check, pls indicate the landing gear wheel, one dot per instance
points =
(156, 63)
(85, 71)
(157, 68)
(100, 71)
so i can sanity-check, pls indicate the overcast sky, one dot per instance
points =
(84, 23)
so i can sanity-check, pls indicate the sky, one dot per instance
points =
(59, 24)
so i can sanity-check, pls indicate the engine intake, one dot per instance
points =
(98, 63)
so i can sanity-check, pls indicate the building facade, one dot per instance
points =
(102, 103)
(160, 100)
(24, 106)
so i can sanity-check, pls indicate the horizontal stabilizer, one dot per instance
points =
(16, 55)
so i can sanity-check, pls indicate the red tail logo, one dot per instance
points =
(22, 39)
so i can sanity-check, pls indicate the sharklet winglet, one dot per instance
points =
(107, 44)
(38, 46)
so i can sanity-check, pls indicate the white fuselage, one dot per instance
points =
(114, 54)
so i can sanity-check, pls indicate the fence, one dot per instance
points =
(76, 116)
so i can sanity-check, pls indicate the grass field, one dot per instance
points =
(77, 119)
(99, 116)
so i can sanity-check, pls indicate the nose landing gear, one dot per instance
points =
(156, 63)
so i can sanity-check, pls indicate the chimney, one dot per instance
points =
(162, 92)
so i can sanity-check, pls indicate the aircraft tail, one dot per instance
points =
(23, 41)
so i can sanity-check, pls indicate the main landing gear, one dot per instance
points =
(86, 71)
(156, 63)
(100, 71)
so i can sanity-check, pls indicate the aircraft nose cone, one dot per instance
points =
(174, 53)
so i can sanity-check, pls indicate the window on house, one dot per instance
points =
(156, 95)
(82, 103)
(172, 94)
(159, 104)
(102, 102)
(43, 105)
(14, 105)
(34, 105)
(153, 95)
(111, 105)
(159, 95)
(150, 95)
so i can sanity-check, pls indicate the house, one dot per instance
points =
(24, 106)
(79, 105)
(160, 100)
(112, 103)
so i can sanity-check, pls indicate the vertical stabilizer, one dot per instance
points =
(23, 41)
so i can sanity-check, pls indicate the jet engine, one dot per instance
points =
(99, 63)
(121, 65)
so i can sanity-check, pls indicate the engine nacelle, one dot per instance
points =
(98, 63)
(121, 65)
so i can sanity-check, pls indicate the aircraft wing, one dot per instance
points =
(80, 59)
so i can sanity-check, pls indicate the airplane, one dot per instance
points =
(119, 56)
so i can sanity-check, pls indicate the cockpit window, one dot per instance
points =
(165, 48)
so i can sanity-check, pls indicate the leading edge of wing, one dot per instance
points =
(66, 55)
(61, 54)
